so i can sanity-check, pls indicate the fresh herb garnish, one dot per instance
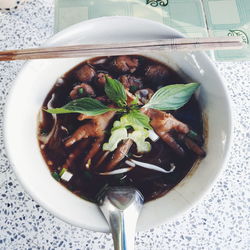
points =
(62, 171)
(133, 89)
(139, 119)
(115, 92)
(56, 176)
(43, 132)
(139, 136)
(117, 135)
(86, 106)
(135, 101)
(172, 97)
(194, 136)
(133, 120)
(80, 91)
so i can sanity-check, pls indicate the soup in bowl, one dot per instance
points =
(121, 120)
(141, 120)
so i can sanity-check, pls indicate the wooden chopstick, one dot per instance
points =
(110, 49)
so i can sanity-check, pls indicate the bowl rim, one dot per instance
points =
(53, 40)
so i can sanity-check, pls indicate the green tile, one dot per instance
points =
(194, 18)
(71, 15)
(229, 54)
(187, 13)
(145, 11)
(229, 18)
(108, 8)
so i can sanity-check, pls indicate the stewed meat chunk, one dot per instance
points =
(85, 73)
(131, 82)
(157, 74)
(126, 63)
(82, 90)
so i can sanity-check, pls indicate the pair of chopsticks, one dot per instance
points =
(126, 48)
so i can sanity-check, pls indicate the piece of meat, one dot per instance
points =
(131, 82)
(82, 90)
(75, 153)
(144, 95)
(131, 98)
(101, 80)
(104, 99)
(95, 147)
(194, 147)
(94, 128)
(163, 123)
(126, 63)
(102, 158)
(85, 73)
(119, 154)
(157, 74)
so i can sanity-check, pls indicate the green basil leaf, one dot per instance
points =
(172, 97)
(86, 106)
(135, 101)
(135, 117)
(115, 92)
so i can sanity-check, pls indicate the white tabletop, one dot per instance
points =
(219, 221)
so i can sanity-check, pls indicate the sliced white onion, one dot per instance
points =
(64, 129)
(59, 81)
(172, 167)
(66, 176)
(49, 104)
(150, 166)
(117, 171)
(153, 136)
(138, 156)
(131, 164)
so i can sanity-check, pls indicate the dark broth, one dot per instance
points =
(86, 183)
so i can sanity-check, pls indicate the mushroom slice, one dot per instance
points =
(144, 95)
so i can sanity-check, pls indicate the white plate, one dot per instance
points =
(38, 76)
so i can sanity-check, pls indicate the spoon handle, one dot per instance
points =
(121, 207)
(123, 230)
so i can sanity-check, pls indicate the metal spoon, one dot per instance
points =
(121, 207)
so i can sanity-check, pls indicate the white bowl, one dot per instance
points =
(38, 76)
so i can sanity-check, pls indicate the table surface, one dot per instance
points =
(219, 221)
